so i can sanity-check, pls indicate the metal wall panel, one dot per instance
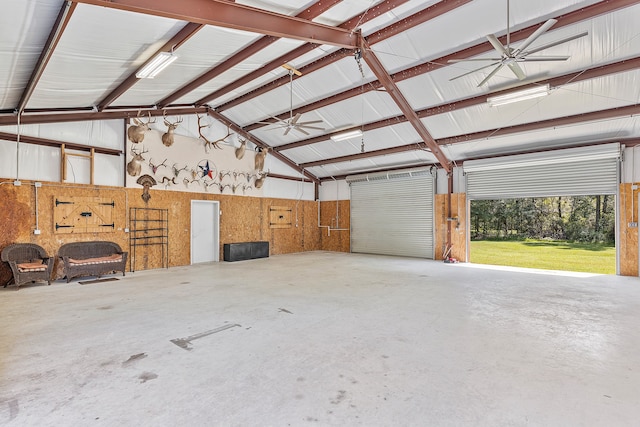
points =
(392, 214)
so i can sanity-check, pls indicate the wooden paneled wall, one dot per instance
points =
(338, 237)
(243, 219)
(628, 244)
(458, 227)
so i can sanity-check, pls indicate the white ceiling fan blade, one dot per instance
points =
(455, 61)
(556, 43)
(302, 130)
(309, 127)
(277, 121)
(473, 71)
(537, 33)
(277, 127)
(497, 45)
(295, 118)
(287, 130)
(542, 58)
(515, 68)
(310, 122)
(491, 74)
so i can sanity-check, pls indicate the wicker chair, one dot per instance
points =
(29, 263)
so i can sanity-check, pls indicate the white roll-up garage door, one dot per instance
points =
(582, 171)
(392, 213)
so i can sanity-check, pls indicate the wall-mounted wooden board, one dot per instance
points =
(279, 217)
(83, 214)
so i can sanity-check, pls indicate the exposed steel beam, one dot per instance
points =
(287, 177)
(181, 37)
(375, 85)
(543, 124)
(29, 119)
(563, 121)
(59, 26)
(592, 73)
(217, 70)
(248, 78)
(367, 154)
(246, 135)
(631, 142)
(383, 34)
(350, 24)
(309, 68)
(309, 13)
(434, 64)
(387, 169)
(221, 13)
(392, 90)
(53, 143)
(390, 121)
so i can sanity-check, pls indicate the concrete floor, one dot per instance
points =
(323, 339)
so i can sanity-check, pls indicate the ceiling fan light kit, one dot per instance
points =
(156, 65)
(520, 95)
(347, 135)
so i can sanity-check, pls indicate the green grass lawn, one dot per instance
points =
(547, 255)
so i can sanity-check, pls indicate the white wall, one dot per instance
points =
(334, 190)
(630, 165)
(41, 163)
(189, 151)
(36, 162)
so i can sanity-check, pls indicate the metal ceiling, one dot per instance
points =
(377, 66)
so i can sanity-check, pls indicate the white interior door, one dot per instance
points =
(205, 231)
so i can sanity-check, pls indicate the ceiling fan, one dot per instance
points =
(293, 123)
(510, 56)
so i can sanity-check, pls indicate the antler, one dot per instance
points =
(154, 168)
(207, 142)
(177, 171)
(135, 152)
(167, 123)
(150, 121)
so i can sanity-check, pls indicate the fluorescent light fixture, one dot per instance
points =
(521, 95)
(347, 135)
(157, 64)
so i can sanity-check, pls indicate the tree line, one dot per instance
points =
(574, 218)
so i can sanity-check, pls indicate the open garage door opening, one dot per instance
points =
(549, 209)
(570, 233)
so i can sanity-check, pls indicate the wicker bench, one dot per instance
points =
(92, 258)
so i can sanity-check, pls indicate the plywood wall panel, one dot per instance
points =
(458, 228)
(338, 237)
(16, 223)
(628, 244)
(309, 223)
(243, 219)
